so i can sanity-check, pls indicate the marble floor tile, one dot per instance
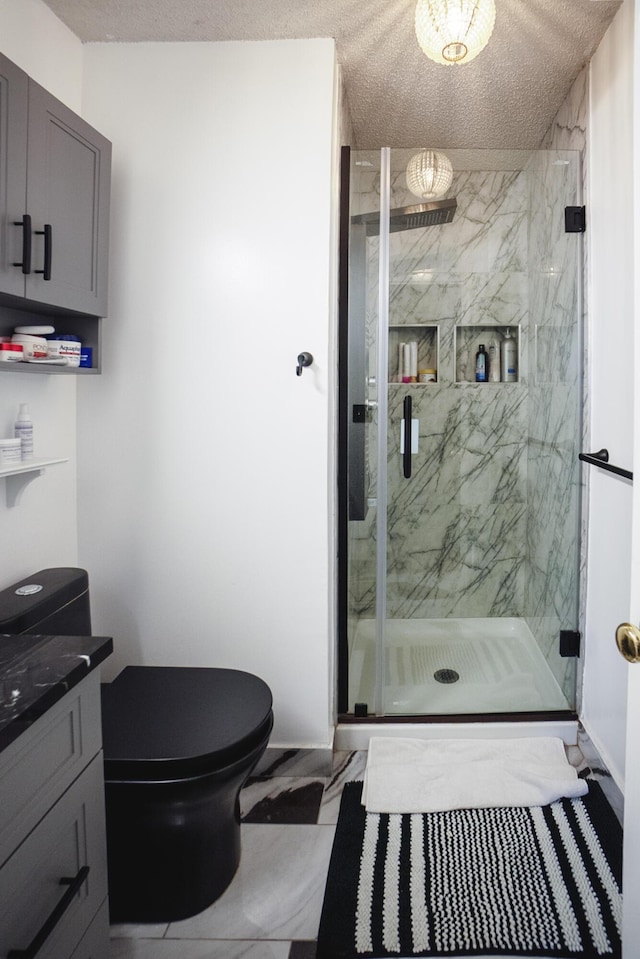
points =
(347, 766)
(593, 768)
(303, 950)
(149, 930)
(281, 800)
(277, 892)
(575, 757)
(196, 949)
(294, 762)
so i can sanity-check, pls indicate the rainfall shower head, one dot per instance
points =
(410, 217)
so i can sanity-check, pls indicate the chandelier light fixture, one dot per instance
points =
(454, 31)
(429, 174)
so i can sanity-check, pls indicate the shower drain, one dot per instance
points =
(446, 676)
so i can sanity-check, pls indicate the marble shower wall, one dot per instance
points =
(456, 529)
(463, 539)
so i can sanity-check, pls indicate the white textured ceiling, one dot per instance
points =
(506, 97)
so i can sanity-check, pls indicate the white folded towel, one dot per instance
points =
(415, 775)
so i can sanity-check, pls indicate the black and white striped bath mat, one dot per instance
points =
(533, 881)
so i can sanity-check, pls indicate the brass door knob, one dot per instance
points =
(628, 642)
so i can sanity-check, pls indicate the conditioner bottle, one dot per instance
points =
(509, 359)
(494, 361)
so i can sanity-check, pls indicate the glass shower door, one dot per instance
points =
(463, 541)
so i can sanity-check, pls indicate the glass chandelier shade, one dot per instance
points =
(429, 174)
(454, 31)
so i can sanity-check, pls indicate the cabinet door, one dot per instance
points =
(13, 175)
(68, 186)
(95, 942)
(46, 759)
(36, 895)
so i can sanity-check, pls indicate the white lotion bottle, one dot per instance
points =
(23, 430)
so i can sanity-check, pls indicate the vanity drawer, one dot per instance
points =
(69, 838)
(46, 759)
(95, 942)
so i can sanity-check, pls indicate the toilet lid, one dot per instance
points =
(167, 723)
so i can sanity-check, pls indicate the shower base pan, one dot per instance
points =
(454, 666)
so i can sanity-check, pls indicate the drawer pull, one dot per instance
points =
(53, 919)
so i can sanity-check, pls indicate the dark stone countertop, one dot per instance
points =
(37, 671)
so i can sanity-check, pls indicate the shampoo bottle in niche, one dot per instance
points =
(23, 431)
(509, 359)
(494, 361)
(482, 365)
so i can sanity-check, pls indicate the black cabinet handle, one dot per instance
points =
(48, 245)
(601, 459)
(406, 456)
(25, 223)
(53, 919)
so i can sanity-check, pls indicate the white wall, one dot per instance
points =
(42, 530)
(610, 292)
(34, 38)
(631, 851)
(205, 471)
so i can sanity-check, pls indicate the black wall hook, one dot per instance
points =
(304, 359)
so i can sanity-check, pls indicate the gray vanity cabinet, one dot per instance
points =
(55, 223)
(53, 873)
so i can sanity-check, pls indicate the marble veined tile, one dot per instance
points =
(595, 769)
(277, 892)
(147, 930)
(420, 295)
(281, 799)
(498, 298)
(196, 949)
(303, 950)
(348, 766)
(294, 762)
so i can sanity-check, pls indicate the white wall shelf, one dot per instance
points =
(19, 475)
(39, 368)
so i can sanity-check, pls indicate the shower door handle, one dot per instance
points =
(406, 456)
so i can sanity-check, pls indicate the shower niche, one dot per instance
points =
(467, 343)
(426, 337)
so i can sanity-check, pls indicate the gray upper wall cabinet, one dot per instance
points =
(55, 175)
(14, 92)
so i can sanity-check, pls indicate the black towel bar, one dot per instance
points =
(601, 459)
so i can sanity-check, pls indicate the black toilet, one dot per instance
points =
(179, 743)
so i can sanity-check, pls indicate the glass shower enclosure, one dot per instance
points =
(460, 541)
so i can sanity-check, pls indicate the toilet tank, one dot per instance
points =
(53, 602)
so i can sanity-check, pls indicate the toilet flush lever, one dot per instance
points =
(304, 359)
